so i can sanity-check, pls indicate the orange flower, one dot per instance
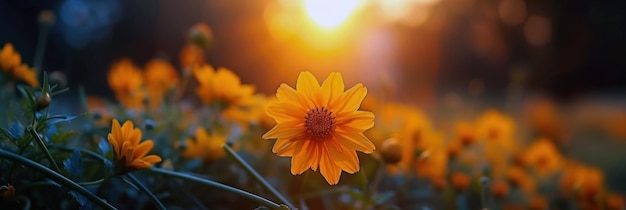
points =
(26, 74)
(160, 77)
(543, 156)
(460, 181)
(204, 146)
(130, 154)
(126, 81)
(320, 126)
(223, 90)
(9, 59)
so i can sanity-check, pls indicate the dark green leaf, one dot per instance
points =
(16, 129)
(64, 136)
(381, 198)
(59, 118)
(74, 165)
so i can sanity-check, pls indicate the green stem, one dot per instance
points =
(41, 47)
(145, 190)
(211, 183)
(99, 181)
(57, 177)
(43, 148)
(256, 175)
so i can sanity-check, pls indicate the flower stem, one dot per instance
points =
(41, 47)
(211, 183)
(99, 181)
(57, 177)
(43, 148)
(145, 190)
(256, 175)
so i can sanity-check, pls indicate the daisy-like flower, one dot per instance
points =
(204, 145)
(127, 82)
(129, 153)
(320, 126)
(9, 59)
(160, 77)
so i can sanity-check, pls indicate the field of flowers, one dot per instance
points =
(188, 135)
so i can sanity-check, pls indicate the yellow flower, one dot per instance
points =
(204, 146)
(126, 81)
(130, 154)
(496, 131)
(26, 74)
(543, 156)
(160, 77)
(9, 59)
(223, 90)
(320, 126)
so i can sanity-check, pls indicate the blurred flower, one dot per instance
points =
(204, 145)
(409, 126)
(496, 130)
(102, 113)
(614, 202)
(582, 182)
(538, 203)
(201, 35)
(545, 119)
(543, 156)
(191, 55)
(460, 181)
(11, 64)
(320, 126)
(223, 91)
(518, 178)
(9, 59)
(499, 189)
(454, 149)
(160, 77)
(433, 158)
(130, 154)
(466, 133)
(26, 74)
(126, 81)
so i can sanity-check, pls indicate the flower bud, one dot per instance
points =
(391, 151)
(43, 101)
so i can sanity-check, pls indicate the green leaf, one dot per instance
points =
(64, 136)
(16, 129)
(74, 165)
(59, 118)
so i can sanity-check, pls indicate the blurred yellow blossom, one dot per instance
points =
(9, 59)
(496, 130)
(320, 126)
(126, 81)
(543, 157)
(204, 145)
(223, 90)
(130, 154)
(160, 77)
(26, 74)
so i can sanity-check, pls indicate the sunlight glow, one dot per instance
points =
(329, 13)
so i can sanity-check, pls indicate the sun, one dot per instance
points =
(328, 13)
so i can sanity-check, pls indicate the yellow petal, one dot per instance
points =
(281, 144)
(284, 131)
(329, 170)
(350, 100)
(299, 161)
(152, 159)
(308, 85)
(360, 120)
(284, 111)
(114, 144)
(344, 158)
(288, 95)
(143, 148)
(356, 141)
(332, 88)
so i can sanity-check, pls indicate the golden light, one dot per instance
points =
(329, 13)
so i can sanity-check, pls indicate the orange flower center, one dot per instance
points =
(319, 123)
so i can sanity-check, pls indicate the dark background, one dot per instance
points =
(587, 54)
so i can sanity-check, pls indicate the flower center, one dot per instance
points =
(319, 123)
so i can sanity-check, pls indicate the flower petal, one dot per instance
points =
(356, 141)
(143, 148)
(284, 130)
(308, 85)
(299, 160)
(332, 88)
(329, 170)
(350, 100)
(344, 158)
(361, 120)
